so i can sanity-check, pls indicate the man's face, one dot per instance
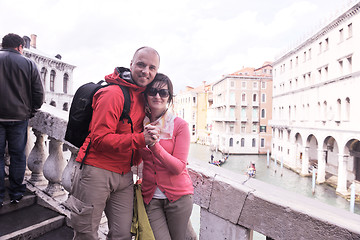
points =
(144, 67)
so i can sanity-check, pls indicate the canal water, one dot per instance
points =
(281, 177)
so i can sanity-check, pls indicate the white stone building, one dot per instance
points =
(57, 76)
(315, 94)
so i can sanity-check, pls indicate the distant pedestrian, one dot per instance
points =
(21, 94)
(212, 158)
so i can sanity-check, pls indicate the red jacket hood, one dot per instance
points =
(123, 77)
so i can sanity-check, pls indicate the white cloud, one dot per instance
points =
(197, 40)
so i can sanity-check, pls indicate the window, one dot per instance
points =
(263, 97)
(255, 115)
(243, 113)
(255, 97)
(243, 85)
(326, 44)
(347, 110)
(296, 60)
(231, 142)
(262, 128)
(350, 30)
(262, 142)
(194, 99)
(341, 35)
(254, 128)
(290, 64)
(341, 65)
(309, 53)
(263, 85)
(263, 113)
(243, 97)
(43, 75)
(320, 47)
(232, 84)
(243, 142)
(65, 83)
(52, 80)
(304, 56)
(243, 127)
(349, 59)
(253, 142)
(255, 85)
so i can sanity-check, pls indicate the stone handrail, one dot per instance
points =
(231, 206)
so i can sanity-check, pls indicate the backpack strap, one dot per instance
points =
(125, 114)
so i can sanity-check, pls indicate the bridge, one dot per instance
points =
(231, 205)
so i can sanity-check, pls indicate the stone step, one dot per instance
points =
(30, 222)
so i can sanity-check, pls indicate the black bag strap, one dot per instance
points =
(125, 114)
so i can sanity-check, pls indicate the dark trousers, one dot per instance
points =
(15, 134)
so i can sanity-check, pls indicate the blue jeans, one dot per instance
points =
(15, 134)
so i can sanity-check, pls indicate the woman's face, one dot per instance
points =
(158, 97)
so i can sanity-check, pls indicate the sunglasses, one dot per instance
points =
(162, 92)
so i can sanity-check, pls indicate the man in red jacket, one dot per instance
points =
(105, 183)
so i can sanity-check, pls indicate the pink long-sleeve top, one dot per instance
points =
(165, 165)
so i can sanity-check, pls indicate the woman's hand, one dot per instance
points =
(151, 134)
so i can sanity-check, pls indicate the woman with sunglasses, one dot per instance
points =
(166, 187)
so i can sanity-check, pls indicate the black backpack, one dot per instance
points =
(81, 111)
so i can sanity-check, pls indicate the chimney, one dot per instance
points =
(33, 41)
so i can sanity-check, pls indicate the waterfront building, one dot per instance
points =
(57, 75)
(242, 108)
(193, 104)
(315, 93)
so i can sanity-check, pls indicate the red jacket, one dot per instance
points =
(112, 142)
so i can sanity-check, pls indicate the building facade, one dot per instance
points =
(192, 105)
(57, 76)
(242, 108)
(315, 92)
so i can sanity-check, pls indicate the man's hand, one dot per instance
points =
(151, 134)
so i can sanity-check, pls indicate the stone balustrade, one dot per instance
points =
(231, 206)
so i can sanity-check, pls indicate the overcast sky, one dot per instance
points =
(198, 40)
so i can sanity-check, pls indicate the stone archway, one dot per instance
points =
(352, 149)
(299, 151)
(331, 155)
(312, 145)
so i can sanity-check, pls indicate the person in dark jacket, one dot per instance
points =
(21, 94)
(105, 183)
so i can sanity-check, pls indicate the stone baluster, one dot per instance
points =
(36, 160)
(69, 171)
(53, 168)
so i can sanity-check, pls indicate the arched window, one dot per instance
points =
(243, 97)
(253, 142)
(338, 111)
(254, 97)
(43, 75)
(243, 142)
(65, 83)
(66, 107)
(231, 142)
(347, 109)
(52, 80)
(262, 113)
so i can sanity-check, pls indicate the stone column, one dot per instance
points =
(321, 166)
(305, 162)
(53, 168)
(36, 160)
(342, 174)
